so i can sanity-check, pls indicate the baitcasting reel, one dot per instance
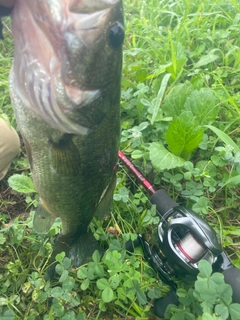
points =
(184, 239)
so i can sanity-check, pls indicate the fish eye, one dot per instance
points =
(116, 35)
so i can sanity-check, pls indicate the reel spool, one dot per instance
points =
(185, 239)
(191, 248)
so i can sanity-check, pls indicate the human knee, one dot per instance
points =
(9, 146)
(14, 145)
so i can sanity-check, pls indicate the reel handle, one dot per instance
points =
(162, 201)
(160, 305)
(232, 277)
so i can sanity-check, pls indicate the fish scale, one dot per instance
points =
(67, 110)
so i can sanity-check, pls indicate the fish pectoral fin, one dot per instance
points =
(65, 156)
(106, 199)
(43, 220)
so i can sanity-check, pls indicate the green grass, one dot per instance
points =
(180, 57)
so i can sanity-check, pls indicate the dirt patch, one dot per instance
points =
(12, 203)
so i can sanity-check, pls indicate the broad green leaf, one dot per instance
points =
(2, 239)
(107, 294)
(90, 274)
(40, 296)
(162, 159)
(85, 284)
(21, 183)
(114, 281)
(81, 316)
(57, 292)
(185, 301)
(102, 284)
(141, 75)
(175, 100)
(225, 292)
(154, 293)
(64, 276)
(234, 181)
(216, 280)
(67, 262)
(201, 205)
(205, 292)
(98, 269)
(3, 301)
(234, 232)
(224, 137)
(143, 125)
(157, 102)
(206, 306)
(70, 315)
(68, 284)
(60, 256)
(128, 84)
(142, 299)
(96, 256)
(218, 161)
(59, 269)
(203, 106)
(207, 316)
(179, 65)
(115, 245)
(208, 294)
(179, 316)
(210, 57)
(58, 308)
(234, 310)
(82, 273)
(183, 136)
(137, 154)
(222, 311)
(205, 269)
(8, 315)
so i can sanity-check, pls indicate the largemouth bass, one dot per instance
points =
(65, 89)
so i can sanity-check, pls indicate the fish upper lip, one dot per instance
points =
(87, 21)
(87, 6)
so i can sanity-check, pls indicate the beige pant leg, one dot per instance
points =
(9, 147)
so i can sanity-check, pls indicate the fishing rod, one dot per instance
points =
(184, 239)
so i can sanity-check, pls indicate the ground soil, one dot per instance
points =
(12, 203)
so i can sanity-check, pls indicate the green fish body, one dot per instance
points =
(65, 89)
